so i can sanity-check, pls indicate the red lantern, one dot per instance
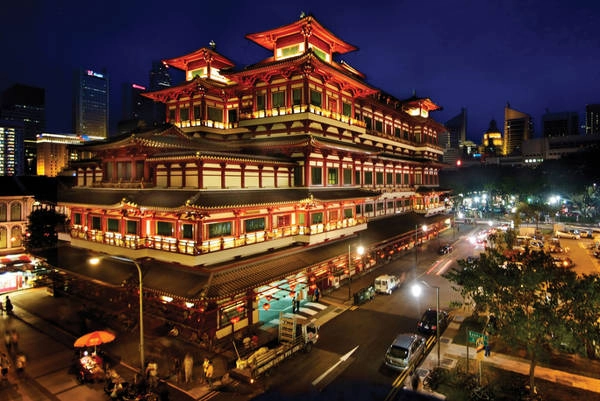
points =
(240, 309)
(235, 319)
(331, 277)
(268, 297)
(292, 287)
(346, 271)
(292, 294)
(266, 306)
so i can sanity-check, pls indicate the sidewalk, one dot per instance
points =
(450, 353)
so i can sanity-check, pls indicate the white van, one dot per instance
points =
(386, 283)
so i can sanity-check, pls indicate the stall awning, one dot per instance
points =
(9, 260)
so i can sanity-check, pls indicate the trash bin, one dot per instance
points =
(364, 294)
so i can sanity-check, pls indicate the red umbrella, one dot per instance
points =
(94, 338)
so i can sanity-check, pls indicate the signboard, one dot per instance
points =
(473, 336)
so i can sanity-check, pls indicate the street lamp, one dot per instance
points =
(96, 261)
(360, 250)
(424, 228)
(416, 290)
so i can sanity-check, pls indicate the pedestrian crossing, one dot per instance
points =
(308, 310)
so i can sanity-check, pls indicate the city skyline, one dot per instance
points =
(535, 55)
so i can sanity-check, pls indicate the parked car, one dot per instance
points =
(364, 294)
(586, 234)
(563, 262)
(427, 323)
(386, 283)
(572, 234)
(405, 352)
(445, 249)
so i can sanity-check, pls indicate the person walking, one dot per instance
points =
(8, 306)
(317, 294)
(177, 369)
(209, 374)
(14, 340)
(152, 374)
(7, 340)
(4, 365)
(188, 366)
(204, 367)
(20, 362)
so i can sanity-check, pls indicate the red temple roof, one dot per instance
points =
(307, 25)
(199, 58)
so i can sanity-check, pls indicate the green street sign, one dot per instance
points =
(473, 336)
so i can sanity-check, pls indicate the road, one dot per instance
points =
(370, 327)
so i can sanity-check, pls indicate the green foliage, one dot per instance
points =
(42, 229)
(527, 294)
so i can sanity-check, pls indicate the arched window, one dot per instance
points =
(16, 237)
(2, 211)
(3, 237)
(15, 212)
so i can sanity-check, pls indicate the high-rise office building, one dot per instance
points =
(560, 124)
(25, 104)
(492, 140)
(518, 127)
(12, 154)
(457, 129)
(54, 152)
(160, 78)
(592, 119)
(137, 110)
(91, 103)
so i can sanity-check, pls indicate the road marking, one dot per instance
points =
(343, 358)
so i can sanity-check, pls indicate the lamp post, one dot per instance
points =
(416, 290)
(95, 261)
(360, 250)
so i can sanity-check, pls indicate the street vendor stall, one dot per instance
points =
(90, 366)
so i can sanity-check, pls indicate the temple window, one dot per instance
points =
(368, 122)
(112, 225)
(405, 133)
(347, 109)
(369, 208)
(124, 170)
(164, 228)
(418, 178)
(184, 113)
(215, 114)
(388, 179)
(397, 132)
(197, 112)
(297, 96)
(289, 51)
(96, 223)
(232, 115)
(405, 181)
(316, 98)
(284, 221)
(316, 175)
(278, 99)
(219, 229)
(357, 179)
(3, 237)
(332, 176)
(379, 177)
(319, 53)
(131, 227)
(252, 225)
(379, 206)
(347, 176)
(368, 178)
(77, 218)
(378, 126)
(172, 114)
(187, 231)
(261, 101)
(348, 213)
(316, 218)
(333, 215)
(200, 72)
(398, 179)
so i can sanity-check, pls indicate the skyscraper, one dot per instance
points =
(91, 103)
(518, 127)
(560, 124)
(457, 129)
(592, 119)
(160, 78)
(25, 104)
(11, 147)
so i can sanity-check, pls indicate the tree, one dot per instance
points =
(42, 228)
(524, 292)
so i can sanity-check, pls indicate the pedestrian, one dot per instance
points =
(297, 305)
(1, 308)
(7, 340)
(317, 294)
(152, 374)
(486, 345)
(8, 306)
(177, 369)
(293, 305)
(20, 363)
(209, 374)
(4, 365)
(14, 340)
(188, 366)
(204, 367)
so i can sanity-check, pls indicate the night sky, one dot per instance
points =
(480, 54)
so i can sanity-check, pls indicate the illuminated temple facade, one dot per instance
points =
(295, 149)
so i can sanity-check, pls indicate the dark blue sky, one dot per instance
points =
(535, 54)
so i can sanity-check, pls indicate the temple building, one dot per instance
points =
(296, 150)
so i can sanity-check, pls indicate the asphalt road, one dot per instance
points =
(335, 367)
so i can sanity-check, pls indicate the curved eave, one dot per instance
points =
(203, 54)
(267, 39)
(199, 155)
(187, 89)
